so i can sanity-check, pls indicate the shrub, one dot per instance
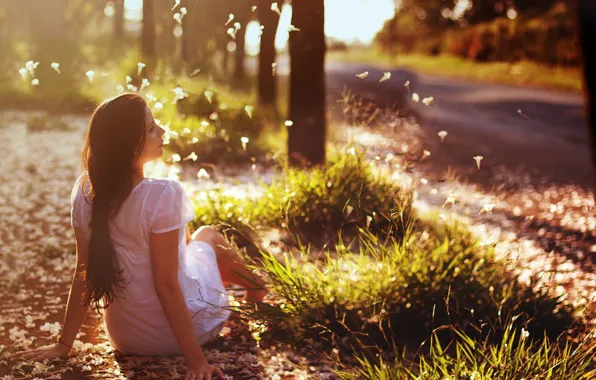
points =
(401, 290)
(343, 194)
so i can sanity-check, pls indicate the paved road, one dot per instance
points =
(541, 131)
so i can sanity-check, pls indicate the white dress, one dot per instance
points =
(136, 323)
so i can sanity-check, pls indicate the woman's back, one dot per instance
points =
(136, 321)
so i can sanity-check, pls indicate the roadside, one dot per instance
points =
(523, 73)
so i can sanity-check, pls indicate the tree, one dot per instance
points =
(148, 47)
(118, 19)
(267, 86)
(52, 42)
(241, 16)
(587, 32)
(306, 137)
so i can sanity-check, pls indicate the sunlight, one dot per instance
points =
(346, 20)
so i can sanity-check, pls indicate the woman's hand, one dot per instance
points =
(50, 352)
(201, 370)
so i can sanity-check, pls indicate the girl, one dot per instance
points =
(161, 287)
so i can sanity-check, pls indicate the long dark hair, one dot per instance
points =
(114, 141)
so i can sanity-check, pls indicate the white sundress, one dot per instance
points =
(136, 323)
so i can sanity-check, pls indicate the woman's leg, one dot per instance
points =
(232, 267)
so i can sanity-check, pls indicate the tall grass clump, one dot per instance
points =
(515, 356)
(345, 193)
(402, 289)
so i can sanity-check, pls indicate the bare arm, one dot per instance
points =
(75, 311)
(164, 261)
(188, 236)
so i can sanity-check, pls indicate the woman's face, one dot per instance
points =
(153, 147)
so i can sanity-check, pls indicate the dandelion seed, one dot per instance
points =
(524, 333)
(362, 75)
(183, 11)
(478, 159)
(288, 123)
(132, 88)
(203, 174)
(120, 88)
(209, 95)
(35, 82)
(424, 181)
(128, 79)
(175, 157)
(450, 199)
(368, 220)
(522, 114)
(249, 110)
(140, 67)
(273, 68)
(179, 94)
(193, 156)
(425, 153)
(428, 101)
(56, 67)
(389, 157)
(488, 208)
(145, 83)
(237, 26)
(275, 8)
(230, 19)
(176, 3)
(194, 140)
(407, 85)
(24, 73)
(244, 141)
(214, 116)
(352, 151)
(386, 76)
(158, 106)
(31, 66)
(292, 28)
(232, 33)
(178, 17)
(415, 97)
(442, 135)
(253, 8)
(204, 123)
(195, 72)
(90, 75)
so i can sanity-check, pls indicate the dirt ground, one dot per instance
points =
(541, 228)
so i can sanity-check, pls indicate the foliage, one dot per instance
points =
(343, 194)
(401, 290)
(547, 37)
(515, 356)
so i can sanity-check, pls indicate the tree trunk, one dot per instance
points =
(306, 137)
(267, 86)
(587, 32)
(53, 43)
(148, 47)
(242, 16)
(119, 20)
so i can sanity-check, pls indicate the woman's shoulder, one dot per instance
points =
(164, 185)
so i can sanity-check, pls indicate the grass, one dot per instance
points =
(403, 289)
(515, 356)
(345, 193)
(521, 73)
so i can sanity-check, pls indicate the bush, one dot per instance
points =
(344, 194)
(401, 290)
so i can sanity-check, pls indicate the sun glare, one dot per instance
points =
(346, 20)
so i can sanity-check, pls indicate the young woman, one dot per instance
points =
(161, 288)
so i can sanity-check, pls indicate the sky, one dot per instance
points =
(346, 20)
